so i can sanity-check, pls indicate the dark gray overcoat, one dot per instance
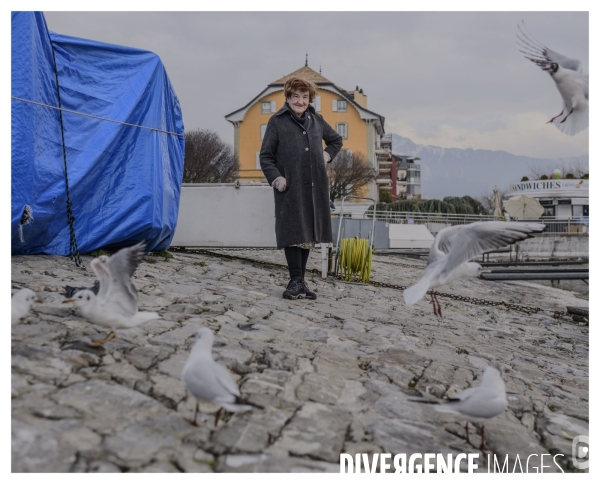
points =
(295, 152)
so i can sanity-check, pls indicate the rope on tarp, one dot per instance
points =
(93, 116)
(73, 249)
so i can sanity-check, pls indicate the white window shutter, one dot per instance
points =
(334, 105)
(258, 160)
(273, 107)
(318, 103)
(263, 128)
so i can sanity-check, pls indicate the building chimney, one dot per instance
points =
(360, 98)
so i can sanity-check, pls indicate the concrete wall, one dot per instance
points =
(556, 246)
(221, 215)
(409, 236)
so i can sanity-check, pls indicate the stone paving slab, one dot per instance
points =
(334, 375)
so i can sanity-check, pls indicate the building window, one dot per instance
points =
(267, 107)
(258, 160)
(317, 103)
(342, 129)
(548, 211)
(263, 128)
(339, 105)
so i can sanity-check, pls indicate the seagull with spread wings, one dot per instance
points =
(116, 304)
(455, 246)
(570, 80)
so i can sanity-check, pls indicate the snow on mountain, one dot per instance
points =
(457, 172)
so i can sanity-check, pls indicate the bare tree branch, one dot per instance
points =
(537, 170)
(487, 199)
(348, 172)
(577, 167)
(208, 159)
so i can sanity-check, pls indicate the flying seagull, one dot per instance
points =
(209, 381)
(20, 304)
(478, 403)
(455, 246)
(571, 82)
(116, 304)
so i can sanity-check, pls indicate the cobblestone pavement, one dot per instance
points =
(334, 375)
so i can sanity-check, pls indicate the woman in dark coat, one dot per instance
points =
(293, 161)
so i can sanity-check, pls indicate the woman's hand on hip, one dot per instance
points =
(326, 157)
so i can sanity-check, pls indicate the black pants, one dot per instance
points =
(296, 259)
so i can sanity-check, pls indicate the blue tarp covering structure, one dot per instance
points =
(123, 138)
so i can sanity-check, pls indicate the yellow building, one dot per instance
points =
(345, 111)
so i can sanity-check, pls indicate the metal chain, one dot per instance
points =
(401, 264)
(468, 299)
(475, 300)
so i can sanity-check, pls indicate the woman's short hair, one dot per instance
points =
(299, 84)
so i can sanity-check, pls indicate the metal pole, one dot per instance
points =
(337, 243)
(324, 260)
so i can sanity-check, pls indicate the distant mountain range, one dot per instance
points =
(457, 172)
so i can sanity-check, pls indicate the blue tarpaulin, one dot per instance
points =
(122, 131)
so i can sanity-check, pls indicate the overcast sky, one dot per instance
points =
(450, 79)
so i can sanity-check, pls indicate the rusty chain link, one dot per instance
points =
(468, 299)
(474, 300)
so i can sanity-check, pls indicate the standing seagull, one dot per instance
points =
(479, 403)
(455, 246)
(20, 304)
(209, 381)
(571, 82)
(116, 304)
